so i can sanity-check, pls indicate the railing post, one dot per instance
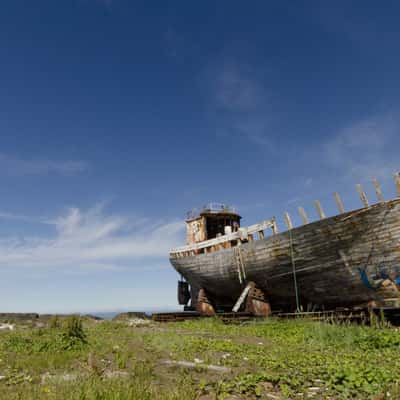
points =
(397, 181)
(378, 190)
(274, 226)
(362, 194)
(303, 215)
(339, 203)
(288, 221)
(320, 209)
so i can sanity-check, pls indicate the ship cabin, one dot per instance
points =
(216, 227)
(212, 221)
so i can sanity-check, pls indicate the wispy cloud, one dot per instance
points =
(365, 148)
(235, 89)
(104, 3)
(11, 165)
(24, 218)
(240, 102)
(88, 240)
(361, 150)
(360, 29)
(174, 44)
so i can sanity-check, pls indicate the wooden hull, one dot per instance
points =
(348, 260)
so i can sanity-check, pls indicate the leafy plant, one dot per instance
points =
(74, 334)
(55, 322)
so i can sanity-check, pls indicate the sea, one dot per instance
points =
(111, 314)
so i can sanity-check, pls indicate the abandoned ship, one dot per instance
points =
(350, 260)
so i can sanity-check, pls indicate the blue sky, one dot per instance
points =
(117, 116)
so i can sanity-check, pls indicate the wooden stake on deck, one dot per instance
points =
(397, 181)
(339, 203)
(274, 226)
(303, 215)
(362, 194)
(320, 210)
(378, 190)
(288, 221)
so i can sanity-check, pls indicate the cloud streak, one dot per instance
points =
(240, 103)
(23, 218)
(235, 90)
(90, 240)
(365, 148)
(14, 166)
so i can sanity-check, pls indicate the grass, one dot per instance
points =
(292, 359)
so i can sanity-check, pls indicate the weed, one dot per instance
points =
(55, 322)
(73, 335)
(286, 357)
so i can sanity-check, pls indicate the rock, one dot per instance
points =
(188, 364)
(115, 374)
(267, 386)
(18, 317)
(92, 317)
(5, 326)
(66, 377)
(132, 315)
(138, 322)
(272, 396)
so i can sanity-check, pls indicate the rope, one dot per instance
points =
(368, 260)
(237, 258)
(294, 271)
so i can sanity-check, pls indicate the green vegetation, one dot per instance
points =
(293, 359)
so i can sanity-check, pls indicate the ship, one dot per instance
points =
(347, 261)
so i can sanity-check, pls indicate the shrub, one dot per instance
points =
(74, 334)
(54, 322)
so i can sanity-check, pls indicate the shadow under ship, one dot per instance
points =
(346, 261)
